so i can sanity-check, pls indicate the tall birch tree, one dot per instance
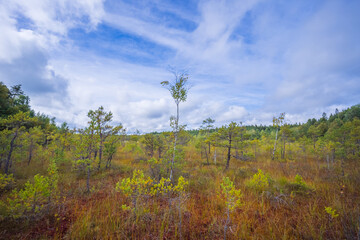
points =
(178, 89)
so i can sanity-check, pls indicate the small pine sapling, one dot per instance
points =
(232, 198)
(259, 182)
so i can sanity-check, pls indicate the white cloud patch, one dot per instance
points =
(248, 60)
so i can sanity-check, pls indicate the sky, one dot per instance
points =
(247, 60)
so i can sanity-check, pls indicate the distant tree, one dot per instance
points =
(111, 143)
(206, 127)
(150, 143)
(285, 135)
(201, 143)
(102, 128)
(277, 123)
(241, 141)
(84, 148)
(228, 133)
(178, 89)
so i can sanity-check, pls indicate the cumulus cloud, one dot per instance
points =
(248, 60)
(31, 31)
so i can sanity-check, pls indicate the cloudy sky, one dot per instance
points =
(247, 60)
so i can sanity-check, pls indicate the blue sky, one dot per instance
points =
(247, 60)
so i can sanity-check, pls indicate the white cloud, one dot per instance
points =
(301, 59)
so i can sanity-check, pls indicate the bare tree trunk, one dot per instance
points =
(180, 218)
(283, 153)
(215, 156)
(228, 155)
(100, 151)
(327, 160)
(273, 154)
(227, 222)
(175, 140)
(30, 152)
(207, 156)
(12, 145)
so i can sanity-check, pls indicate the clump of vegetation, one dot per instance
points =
(231, 197)
(298, 186)
(259, 182)
(33, 198)
(6, 180)
(136, 188)
(331, 212)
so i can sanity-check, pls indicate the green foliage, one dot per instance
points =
(231, 195)
(332, 212)
(178, 88)
(53, 178)
(6, 180)
(12, 100)
(136, 187)
(132, 147)
(299, 180)
(140, 186)
(259, 182)
(35, 195)
(158, 167)
(298, 186)
(166, 187)
(31, 199)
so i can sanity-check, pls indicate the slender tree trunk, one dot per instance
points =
(273, 154)
(100, 151)
(175, 141)
(228, 155)
(180, 218)
(34, 202)
(159, 151)
(207, 156)
(12, 145)
(327, 161)
(314, 143)
(30, 152)
(283, 154)
(215, 156)
(227, 222)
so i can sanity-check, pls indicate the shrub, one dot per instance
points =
(232, 198)
(6, 180)
(31, 199)
(332, 212)
(136, 187)
(34, 196)
(298, 186)
(259, 182)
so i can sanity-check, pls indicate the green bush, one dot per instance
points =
(259, 182)
(6, 180)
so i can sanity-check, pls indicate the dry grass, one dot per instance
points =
(275, 214)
